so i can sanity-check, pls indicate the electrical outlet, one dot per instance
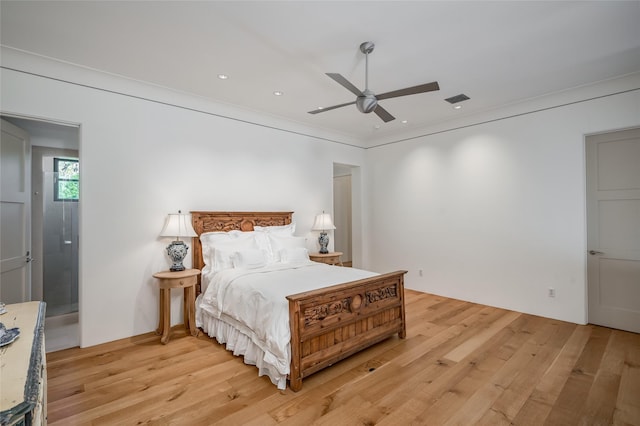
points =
(552, 292)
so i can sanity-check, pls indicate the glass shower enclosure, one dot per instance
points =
(60, 237)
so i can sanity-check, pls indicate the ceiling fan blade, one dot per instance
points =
(429, 87)
(344, 83)
(316, 111)
(383, 114)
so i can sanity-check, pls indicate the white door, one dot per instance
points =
(15, 214)
(613, 229)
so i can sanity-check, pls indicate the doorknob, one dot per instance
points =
(594, 252)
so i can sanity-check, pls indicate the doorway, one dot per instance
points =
(54, 226)
(613, 229)
(345, 211)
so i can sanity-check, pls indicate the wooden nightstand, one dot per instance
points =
(187, 280)
(332, 258)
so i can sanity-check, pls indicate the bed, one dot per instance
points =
(324, 325)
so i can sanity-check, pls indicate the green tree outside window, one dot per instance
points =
(67, 179)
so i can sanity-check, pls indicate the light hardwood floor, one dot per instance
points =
(461, 364)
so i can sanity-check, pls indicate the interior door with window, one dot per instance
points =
(613, 229)
(15, 214)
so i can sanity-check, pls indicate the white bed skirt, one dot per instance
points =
(240, 344)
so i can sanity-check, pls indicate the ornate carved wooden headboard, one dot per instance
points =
(228, 221)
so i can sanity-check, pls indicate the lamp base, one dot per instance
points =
(177, 251)
(323, 240)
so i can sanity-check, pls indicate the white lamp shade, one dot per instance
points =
(323, 222)
(178, 225)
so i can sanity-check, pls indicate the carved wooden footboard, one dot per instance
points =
(332, 323)
(327, 324)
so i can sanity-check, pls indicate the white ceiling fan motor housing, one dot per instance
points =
(367, 102)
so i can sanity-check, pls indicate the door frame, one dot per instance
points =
(357, 245)
(587, 248)
(78, 126)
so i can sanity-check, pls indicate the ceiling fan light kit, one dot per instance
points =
(367, 101)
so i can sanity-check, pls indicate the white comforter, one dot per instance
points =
(255, 300)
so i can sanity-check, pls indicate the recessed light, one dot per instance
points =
(457, 107)
(405, 121)
(223, 76)
(278, 93)
(377, 126)
(320, 107)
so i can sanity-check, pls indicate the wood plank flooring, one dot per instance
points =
(461, 364)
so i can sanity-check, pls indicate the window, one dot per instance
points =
(66, 185)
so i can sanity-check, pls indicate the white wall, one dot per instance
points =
(142, 160)
(495, 213)
(492, 213)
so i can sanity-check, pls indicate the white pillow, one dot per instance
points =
(224, 251)
(281, 230)
(261, 238)
(262, 241)
(210, 239)
(279, 243)
(249, 259)
(222, 259)
(294, 255)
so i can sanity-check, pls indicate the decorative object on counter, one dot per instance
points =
(3, 308)
(178, 225)
(8, 335)
(323, 223)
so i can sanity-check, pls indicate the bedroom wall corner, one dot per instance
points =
(494, 212)
(143, 159)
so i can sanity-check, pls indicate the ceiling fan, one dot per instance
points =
(367, 101)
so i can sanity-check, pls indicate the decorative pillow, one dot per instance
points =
(294, 255)
(261, 238)
(262, 241)
(222, 259)
(210, 239)
(281, 230)
(225, 250)
(249, 259)
(278, 243)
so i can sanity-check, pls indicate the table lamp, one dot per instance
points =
(178, 225)
(322, 223)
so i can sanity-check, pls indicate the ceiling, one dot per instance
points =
(497, 53)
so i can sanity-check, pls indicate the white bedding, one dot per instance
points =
(247, 309)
